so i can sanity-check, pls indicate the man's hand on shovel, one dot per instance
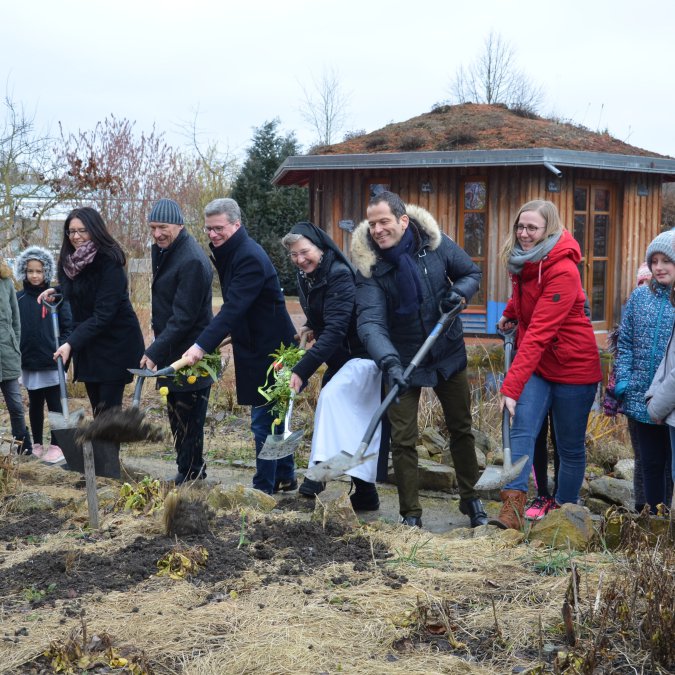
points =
(147, 362)
(193, 355)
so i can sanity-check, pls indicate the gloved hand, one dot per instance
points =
(392, 367)
(451, 301)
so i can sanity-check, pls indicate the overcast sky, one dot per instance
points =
(605, 64)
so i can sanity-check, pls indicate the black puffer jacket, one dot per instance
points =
(328, 301)
(181, 304)
(37, 333)
(253, 312)
(106, 337)
(442, 265)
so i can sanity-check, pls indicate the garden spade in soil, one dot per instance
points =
(277, 446)
(63, 424)
(497, 476)
(344, 461)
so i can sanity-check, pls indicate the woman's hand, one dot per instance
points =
(505, 324)
(147, 362)
(509, 403)
(63, 351)
(193, 355)
(46, 295)
(295, 383)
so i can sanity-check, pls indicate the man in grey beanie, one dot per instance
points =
(181, 309)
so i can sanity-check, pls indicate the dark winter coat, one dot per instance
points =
(181, 303)
(328, 300)
(442, 265)
(37, 332)
(106, 337)
(253, 313)
(555, 337)
(10, 327)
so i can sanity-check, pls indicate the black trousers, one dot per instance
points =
(187, 414)
(36, 409)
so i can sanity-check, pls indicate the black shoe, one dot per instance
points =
(181, 477)
(365, 497)
(311, 488)
(474, 509)
(24, 444)
(411, 521)
(287, 485)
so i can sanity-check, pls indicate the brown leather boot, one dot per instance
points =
(512, 514)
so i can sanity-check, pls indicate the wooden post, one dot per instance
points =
(90, 481)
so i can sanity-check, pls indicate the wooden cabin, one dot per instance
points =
(473, 166)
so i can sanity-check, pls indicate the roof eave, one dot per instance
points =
(303, 165)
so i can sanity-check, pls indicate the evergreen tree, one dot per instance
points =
(269, 212)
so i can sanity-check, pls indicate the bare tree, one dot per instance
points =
(325, 106)
(30, 176)
(494, 77)
(122, 174)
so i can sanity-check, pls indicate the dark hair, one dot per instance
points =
(396, 204)
(98, 233)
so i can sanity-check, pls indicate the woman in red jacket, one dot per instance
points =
(557, 364)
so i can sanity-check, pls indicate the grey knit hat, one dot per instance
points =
(34, 253)
(166, 211)
(663, 243)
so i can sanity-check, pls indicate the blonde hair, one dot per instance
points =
(547, 210)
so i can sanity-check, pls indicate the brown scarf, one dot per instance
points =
(79, 259)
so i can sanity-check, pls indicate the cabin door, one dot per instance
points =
(594, 230)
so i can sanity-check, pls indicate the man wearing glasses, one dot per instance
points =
(254, 314)
(181, 309)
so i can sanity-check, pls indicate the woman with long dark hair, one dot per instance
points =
(106, 337)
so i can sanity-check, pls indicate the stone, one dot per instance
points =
(338, 511)
(597, 506)
(433, 441)
(222, 497)
(29, 502)
(432, 476)
(625, 469)
(483, 442)
(422, 452)
(570, 526)
(510, 538)
(612, 490)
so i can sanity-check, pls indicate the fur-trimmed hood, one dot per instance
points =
(35, 253)
(364, 251)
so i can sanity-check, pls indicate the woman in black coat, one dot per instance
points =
(351, 384)
(106, 337)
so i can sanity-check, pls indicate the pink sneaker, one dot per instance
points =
(53, 455)
(38, 450)
(539, 507)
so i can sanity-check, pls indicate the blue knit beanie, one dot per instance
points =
(662, 243)
(166, 211)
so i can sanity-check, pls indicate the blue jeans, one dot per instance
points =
(570, 405)
(268, 471)
(12, 393)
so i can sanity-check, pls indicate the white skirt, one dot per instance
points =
(345, 407)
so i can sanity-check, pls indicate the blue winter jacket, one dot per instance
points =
(643, 337)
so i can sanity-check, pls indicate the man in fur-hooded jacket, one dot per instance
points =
(408, 271)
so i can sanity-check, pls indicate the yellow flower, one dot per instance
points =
(276, 422)
(164, 391)
(192, 379)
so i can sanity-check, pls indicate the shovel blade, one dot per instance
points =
(142, 372)
(337, 465)
(59, 421)
(498, 476)
(277, 447)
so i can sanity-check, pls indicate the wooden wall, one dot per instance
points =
(342, 195)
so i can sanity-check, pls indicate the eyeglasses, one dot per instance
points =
(72, 233)
(215, 230)
(531, 229)
(304, 253)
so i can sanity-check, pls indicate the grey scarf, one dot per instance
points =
(519, 257)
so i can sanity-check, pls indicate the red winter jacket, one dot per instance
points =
(555, 338)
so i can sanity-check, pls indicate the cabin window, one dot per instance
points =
(593, 217)
(473, 229)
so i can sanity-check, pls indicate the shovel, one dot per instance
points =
(63, 424)
(277, 446)
(343, 461)
(173, 368)
(497, 476)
